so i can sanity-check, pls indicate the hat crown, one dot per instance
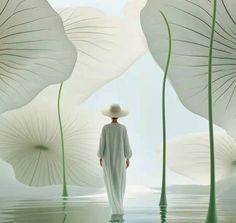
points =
(115, 108)
(115, 111)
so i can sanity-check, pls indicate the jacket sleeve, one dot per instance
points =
(102, 144)
(127, 149)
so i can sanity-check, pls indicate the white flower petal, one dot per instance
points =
(190, 22)
(189, 155)
(34, 51)
(107, 45)
(30, 141)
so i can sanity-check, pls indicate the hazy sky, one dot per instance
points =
(139, 89)
(110, 6)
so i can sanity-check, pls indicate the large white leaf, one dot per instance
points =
(30, 141)
(189, 155)
(34, 51)
(190, 22)
(107, 45)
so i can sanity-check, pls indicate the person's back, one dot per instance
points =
(114, 148)
(117, 144)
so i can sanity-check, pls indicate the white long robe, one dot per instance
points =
(114, 148)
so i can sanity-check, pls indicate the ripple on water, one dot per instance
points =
(139, 208)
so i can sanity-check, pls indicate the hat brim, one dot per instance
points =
(119, 114)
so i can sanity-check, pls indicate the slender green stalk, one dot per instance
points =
(163, 199)
(65, 193)
(211, 215)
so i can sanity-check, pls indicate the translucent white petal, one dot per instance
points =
(107, 45)
(189, 155)
(30, 142)
(190, 23)
(34, 51)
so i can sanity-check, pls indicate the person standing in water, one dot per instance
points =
(114, 153)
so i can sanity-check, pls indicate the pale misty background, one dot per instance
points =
(138, 89)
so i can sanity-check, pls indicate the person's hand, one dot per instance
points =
(127, 163)
(100, 161)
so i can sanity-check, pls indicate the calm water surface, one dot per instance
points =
(94, 209)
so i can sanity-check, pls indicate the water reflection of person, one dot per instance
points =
(114, 153)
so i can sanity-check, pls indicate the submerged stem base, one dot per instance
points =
(212, 213)
(163, 199)
(65, 192)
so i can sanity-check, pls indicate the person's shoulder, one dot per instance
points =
(104, 127)
(122, 126)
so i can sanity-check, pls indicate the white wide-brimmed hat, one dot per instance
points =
(115, 111)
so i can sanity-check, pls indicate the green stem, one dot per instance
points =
(211, 215)
(65, 193)
(163, 199)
